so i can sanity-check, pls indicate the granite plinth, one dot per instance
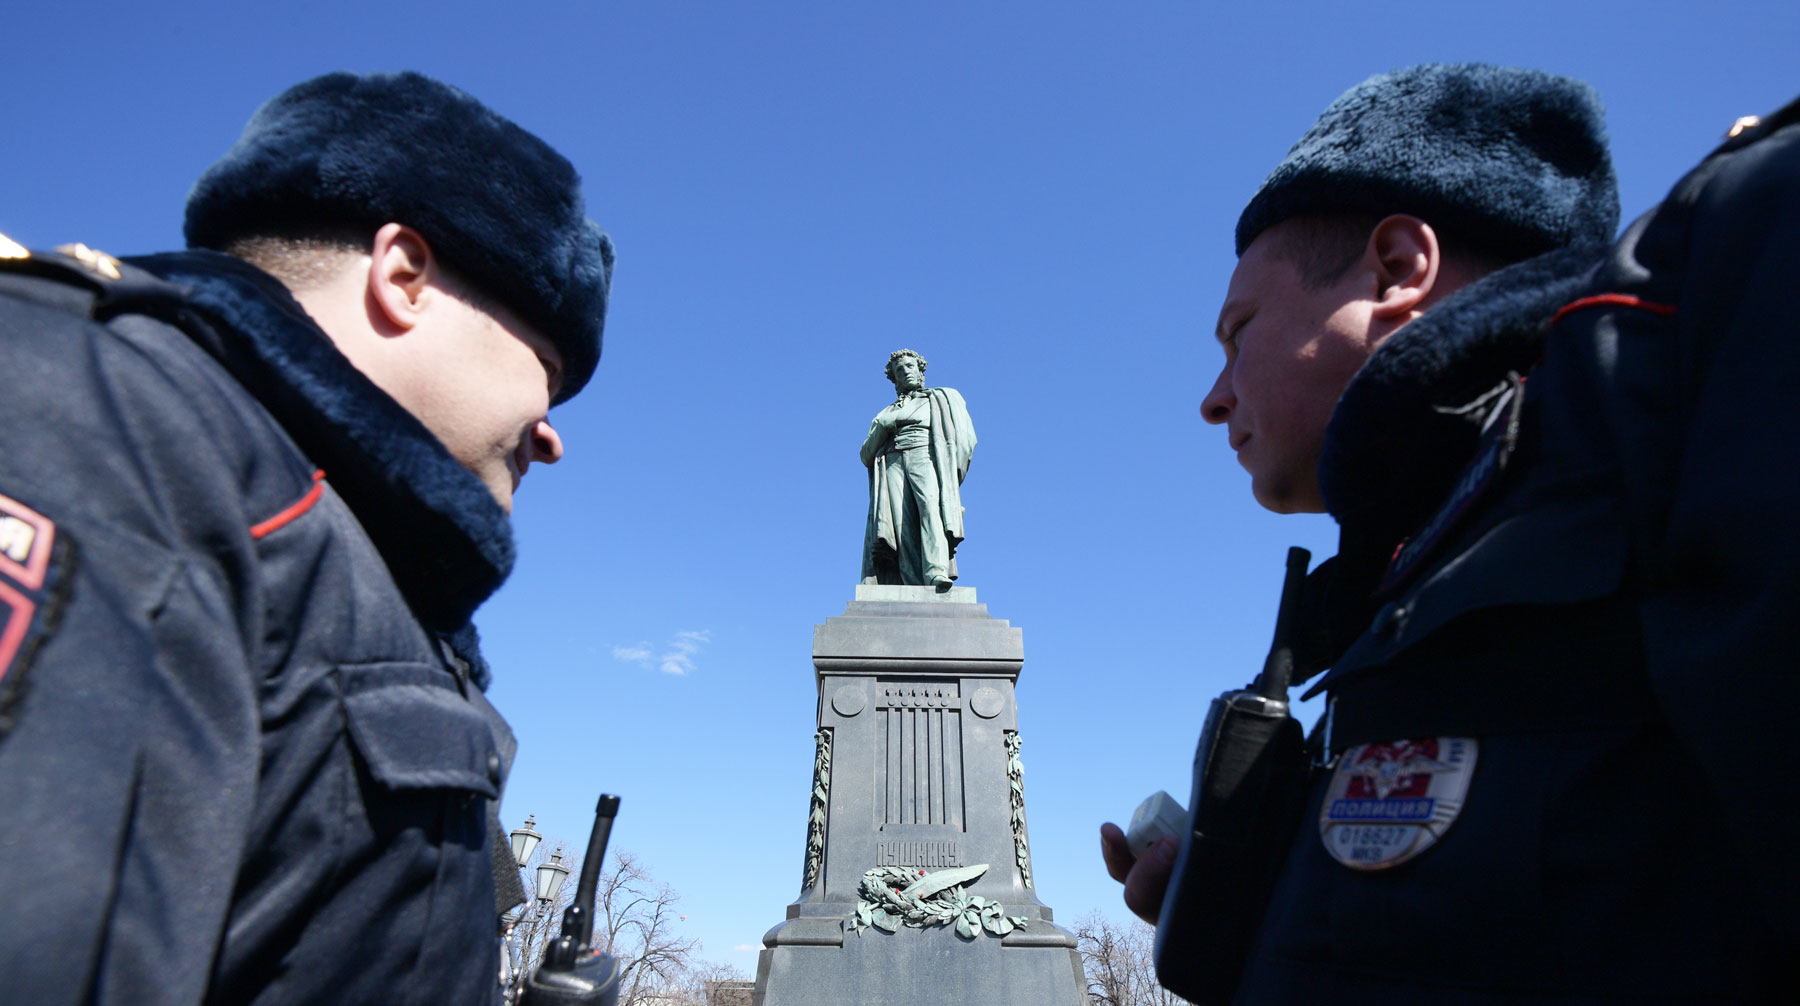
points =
(918, 768)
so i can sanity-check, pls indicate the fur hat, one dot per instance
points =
(497, 204)
(1517, 158)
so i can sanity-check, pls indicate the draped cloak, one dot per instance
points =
(952, 444)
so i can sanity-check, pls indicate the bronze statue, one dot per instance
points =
(917, 453)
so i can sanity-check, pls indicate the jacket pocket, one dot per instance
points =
(1558, 554)
(414, 730)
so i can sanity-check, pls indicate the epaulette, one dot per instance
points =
(1751, 128)
(86, 282)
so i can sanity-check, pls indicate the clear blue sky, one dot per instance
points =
(1036, 196)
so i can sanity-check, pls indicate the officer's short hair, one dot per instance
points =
(311, 260)
(300, 261)
(1323, 246)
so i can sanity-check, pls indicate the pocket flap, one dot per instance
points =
(414, 730)
(1558, 553)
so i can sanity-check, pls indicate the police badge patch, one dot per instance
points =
(32, 562)
(1389, 802)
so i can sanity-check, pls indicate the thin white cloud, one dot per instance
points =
(677, 657)
(746, 946)
(639, 654)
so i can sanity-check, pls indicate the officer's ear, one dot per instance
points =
(1404, 258)
(401, 269)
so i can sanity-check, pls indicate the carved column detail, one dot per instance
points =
(919, 755)
(1015, 777)
(815, 822)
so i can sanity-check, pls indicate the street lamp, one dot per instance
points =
(550, 878)
(525, 841)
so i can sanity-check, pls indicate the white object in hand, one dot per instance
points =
(1157, 816)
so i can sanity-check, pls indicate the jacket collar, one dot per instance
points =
(1393, 448)
(445, 540)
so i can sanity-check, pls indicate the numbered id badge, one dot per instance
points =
(1389, 802)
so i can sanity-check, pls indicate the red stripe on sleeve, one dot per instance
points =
(1613, 300)
(300, 506)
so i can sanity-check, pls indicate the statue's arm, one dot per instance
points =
(877, 438)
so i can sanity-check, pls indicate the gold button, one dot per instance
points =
(1747, 122)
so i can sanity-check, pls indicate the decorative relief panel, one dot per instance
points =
(1015, 777)
(815, 822)
(919, 765)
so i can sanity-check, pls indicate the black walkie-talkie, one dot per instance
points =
(574, 974)
(1249, 776)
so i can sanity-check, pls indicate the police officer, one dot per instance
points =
(250, 495)
(1566, 579)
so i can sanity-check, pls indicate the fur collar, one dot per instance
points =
(444, 538)
(1390, 455)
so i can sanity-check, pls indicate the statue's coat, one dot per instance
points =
(952, 445)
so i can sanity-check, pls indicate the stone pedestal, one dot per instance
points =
(917, 773)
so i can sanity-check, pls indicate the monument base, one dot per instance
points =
(933, 967)
(918, 814)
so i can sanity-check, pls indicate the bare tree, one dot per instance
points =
(635, 921)
(1118, 962)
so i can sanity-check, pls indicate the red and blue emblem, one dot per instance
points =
(27, 539)
(1389, 802)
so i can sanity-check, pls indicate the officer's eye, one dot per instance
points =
(1230, 338)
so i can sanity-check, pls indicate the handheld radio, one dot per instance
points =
(573, 974)
(1249, 778)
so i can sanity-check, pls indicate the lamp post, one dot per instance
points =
(525, 841)
(550, 877)
(508, 965)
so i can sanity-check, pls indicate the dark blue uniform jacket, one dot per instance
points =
(1604, 589)
(244, 755)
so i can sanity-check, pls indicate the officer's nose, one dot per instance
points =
(546, 443)
(1219, 403)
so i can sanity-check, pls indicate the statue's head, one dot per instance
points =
(906, 369)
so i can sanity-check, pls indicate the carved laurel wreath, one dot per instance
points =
(815, 822)
(893, 896)
(1015, 777)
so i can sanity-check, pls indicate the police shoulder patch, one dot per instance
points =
(1389, 802)
(34, 561)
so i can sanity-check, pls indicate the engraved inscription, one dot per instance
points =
(930, 855)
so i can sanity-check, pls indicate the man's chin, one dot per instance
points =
(502, 489)
(1285, 498)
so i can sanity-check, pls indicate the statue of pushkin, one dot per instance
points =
(917, 453)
